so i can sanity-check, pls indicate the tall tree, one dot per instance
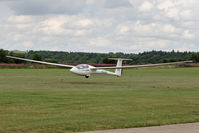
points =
(37, 56)
(3, 54)
(195, 57)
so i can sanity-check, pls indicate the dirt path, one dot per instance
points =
(179, 128)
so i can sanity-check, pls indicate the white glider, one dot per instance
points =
(86, 70)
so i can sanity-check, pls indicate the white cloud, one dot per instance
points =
(188, 35)
(169, 28)
(84, 23)
(27, 44)
(154, 29)
(122, 29)
(144, 28)
(173, 13)
(186, 14)
(20, 19)
(166, 5)
(53, 25)
(99, 42)
(146, 6)
(158, 44)
(17, 37)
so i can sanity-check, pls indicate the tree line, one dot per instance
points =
(99, 58)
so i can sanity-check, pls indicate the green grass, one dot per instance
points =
(55, 100)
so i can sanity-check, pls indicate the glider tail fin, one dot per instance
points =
(118, 72)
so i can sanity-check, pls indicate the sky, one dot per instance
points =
(128, 26)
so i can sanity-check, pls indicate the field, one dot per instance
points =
(55, 100)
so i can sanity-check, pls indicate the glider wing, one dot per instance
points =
(147, 65)
(41, 62)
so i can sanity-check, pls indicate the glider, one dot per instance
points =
(86, 70)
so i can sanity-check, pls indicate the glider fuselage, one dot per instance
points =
(87, 70)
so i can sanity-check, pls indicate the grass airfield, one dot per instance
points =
(55, 100)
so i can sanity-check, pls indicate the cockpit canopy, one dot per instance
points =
(82, 66)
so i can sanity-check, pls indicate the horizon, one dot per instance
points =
(104, 52)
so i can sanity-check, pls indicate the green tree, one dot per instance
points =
(21, 55)
(195, 57)
(37, 56)
(108, 61)
(51, 60)
(3, 57)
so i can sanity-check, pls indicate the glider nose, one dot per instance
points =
(72, 69)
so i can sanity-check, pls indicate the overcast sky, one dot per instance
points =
(129, 26)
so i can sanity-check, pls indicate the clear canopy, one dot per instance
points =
(82, 66)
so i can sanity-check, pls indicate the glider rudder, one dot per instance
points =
(118, 72)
